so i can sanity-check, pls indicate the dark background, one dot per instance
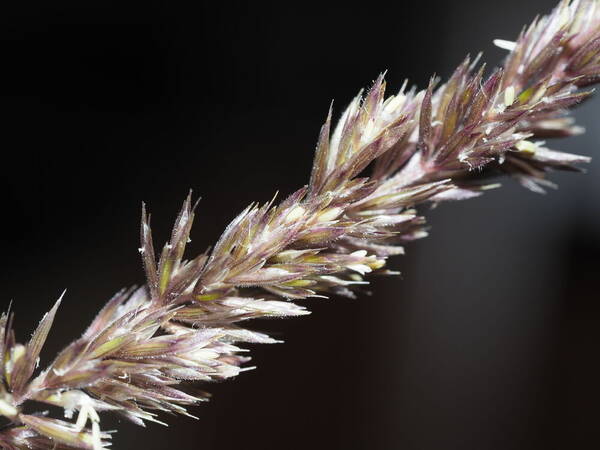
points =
(487, 341)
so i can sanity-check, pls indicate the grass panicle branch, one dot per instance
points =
(385, 157)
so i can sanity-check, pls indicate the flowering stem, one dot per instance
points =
(441, 143)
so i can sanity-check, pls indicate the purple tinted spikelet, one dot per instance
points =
(384, 157)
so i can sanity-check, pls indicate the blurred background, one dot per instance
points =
(489, 338)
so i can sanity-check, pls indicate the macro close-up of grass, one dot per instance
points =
(383, 163)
